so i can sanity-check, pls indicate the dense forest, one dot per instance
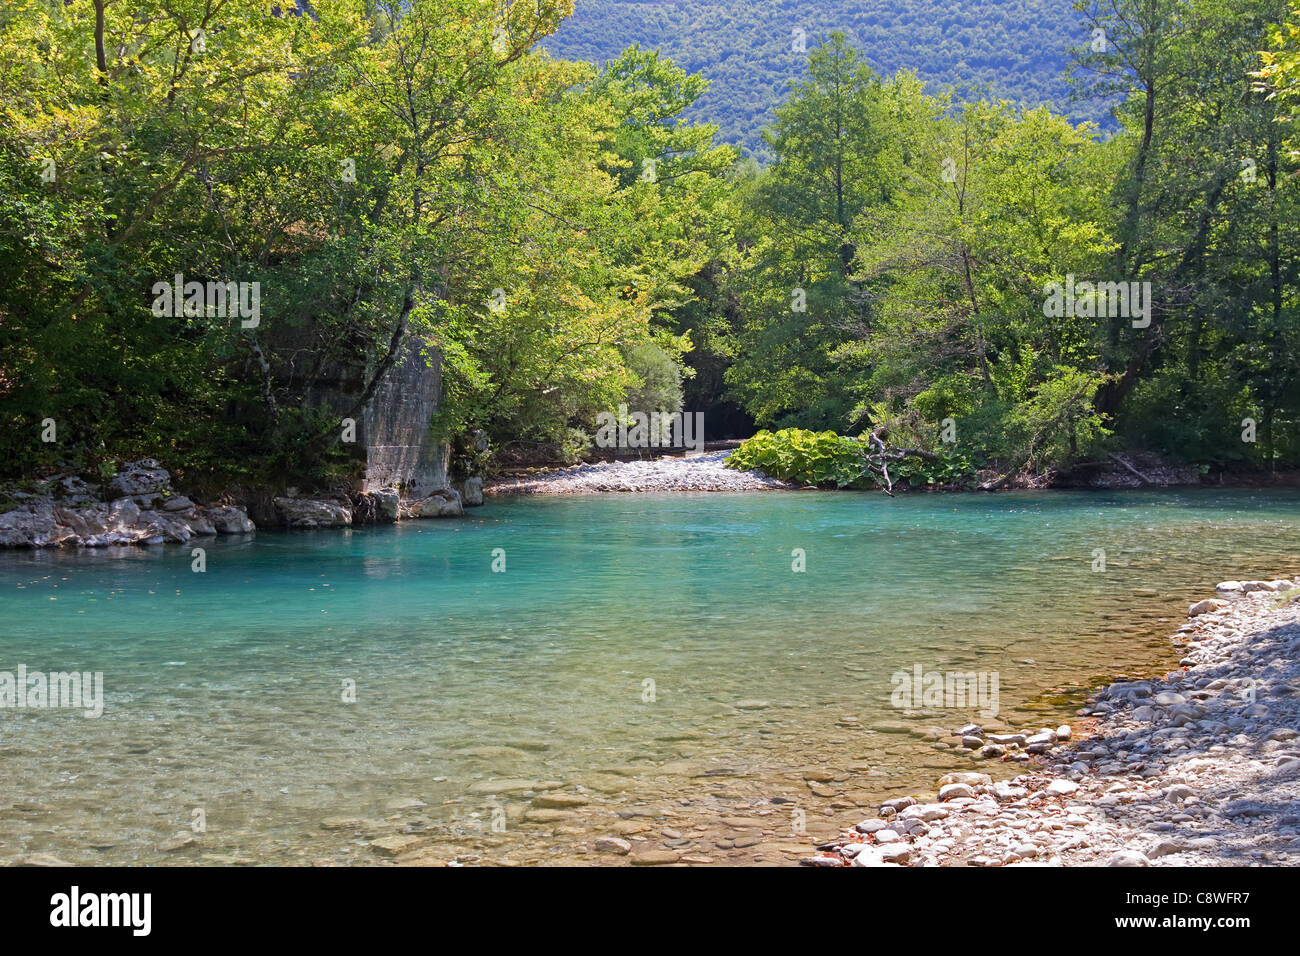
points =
(993, 284)
(752, 50)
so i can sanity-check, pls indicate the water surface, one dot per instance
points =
(655, 655)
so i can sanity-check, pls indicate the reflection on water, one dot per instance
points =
(654, 656)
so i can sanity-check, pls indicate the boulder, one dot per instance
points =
(138, 517)
(230, 519)
(471, 492)
(309, 513)
(143, 477)
(1005, 792)
(201, 525)
(898, 803)
(441, 504)
(376, 507)
(20, 526)
(967, 777)
(33, 526)
(163, 528)
(84, 523)
(69, 489)
(925, 812)
(1205, 607)
(124, 512)
(898, 853)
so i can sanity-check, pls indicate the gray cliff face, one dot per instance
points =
(395, 426)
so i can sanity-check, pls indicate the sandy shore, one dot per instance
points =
(1200, 768)
(698, 473)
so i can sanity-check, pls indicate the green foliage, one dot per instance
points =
(826, 459)
(381, 170)
(924, 237)
(948, 472)
(659, 380)
(560, 238)
(810, 458)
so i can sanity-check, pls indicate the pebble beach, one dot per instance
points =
(1199, 768)
(706, 472)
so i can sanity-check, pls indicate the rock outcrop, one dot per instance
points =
(471, 492)
(307, 513)
(441, 504)
(66, 511)
(376, 507)
(139, 506)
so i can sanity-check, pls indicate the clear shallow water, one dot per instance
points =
(223, 690)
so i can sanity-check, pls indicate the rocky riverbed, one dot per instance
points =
(707, 472)
(1200, 768)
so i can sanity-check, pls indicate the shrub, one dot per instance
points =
(794, 454)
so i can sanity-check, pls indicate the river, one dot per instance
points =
(657, 661)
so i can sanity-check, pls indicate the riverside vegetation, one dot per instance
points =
(557, 239)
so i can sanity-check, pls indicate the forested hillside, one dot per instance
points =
(747, 48)
(994, 285)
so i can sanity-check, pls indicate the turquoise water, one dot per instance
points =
(224, 689)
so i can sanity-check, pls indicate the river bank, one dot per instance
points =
(708, 472)
(1200, 768)
(139, 506)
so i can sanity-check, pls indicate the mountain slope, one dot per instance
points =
(1016, 50)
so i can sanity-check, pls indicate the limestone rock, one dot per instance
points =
(376, 507)
(230, 519)
(394, 845)
(136, 478)
(440, 504)
(308, 513)
(471, 492)
(655, 857)
(1128, 858)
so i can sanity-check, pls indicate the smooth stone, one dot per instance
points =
(655, 857)
(513, 786)
(558, 801)
(1128, 858)
(394, 845)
